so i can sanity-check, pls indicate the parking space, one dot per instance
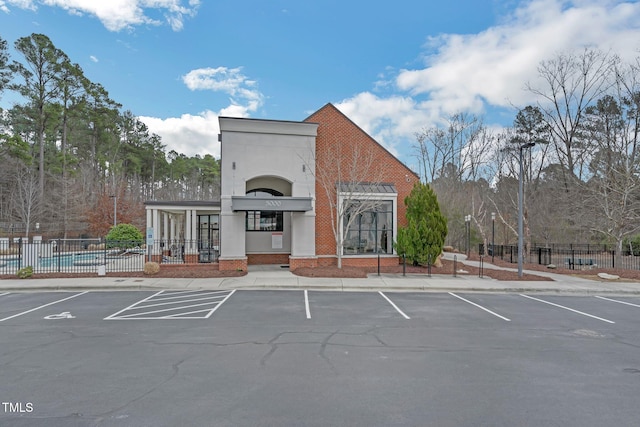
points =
(351, 308)
(567, 307)
(263, 307)
(444, 309)
(19, 305)
(19, 308)
(620, 309)
(323, 307)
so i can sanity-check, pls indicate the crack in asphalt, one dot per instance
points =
(175, 370)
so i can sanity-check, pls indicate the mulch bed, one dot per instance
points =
(166, 273)
(447, 268)
(587, 273)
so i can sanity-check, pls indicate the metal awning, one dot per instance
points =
(285, 203)
(367, 187)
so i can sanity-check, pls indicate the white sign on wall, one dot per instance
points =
(276, 240)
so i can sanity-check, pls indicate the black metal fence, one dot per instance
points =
(572, 256)
(98, 256)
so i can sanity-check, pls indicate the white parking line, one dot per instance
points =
(132, 305)
(306, 304)
(187, 294)
(394, 306)
(6, 293)
(164, 310)
(567, 308)
(619, 302)
(221, 302)
(480, 307)
(176, 302)
(43, 306)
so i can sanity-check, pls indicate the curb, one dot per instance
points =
(421, 289)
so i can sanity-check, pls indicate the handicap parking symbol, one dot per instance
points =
(63, 315)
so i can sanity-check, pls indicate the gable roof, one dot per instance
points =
(334, 109)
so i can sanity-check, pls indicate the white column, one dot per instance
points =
(232, 231)
(303, 234)
(149, 219)
(187, 229)
(194, 231)
(172, 235)
(156, 231)
(165, 228)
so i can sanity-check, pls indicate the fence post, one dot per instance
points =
(59, 260)
(404, 264)
(613, 258)
(20, 253)
(455, 265)
(429, 265)
(481, 269)
(378, 263)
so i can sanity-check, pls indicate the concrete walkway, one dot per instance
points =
(280, 278)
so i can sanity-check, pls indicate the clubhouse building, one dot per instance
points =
(287, 190)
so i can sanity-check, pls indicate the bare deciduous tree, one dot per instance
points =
(570, 84)
(26, 196)
(458, 147)
(350, 178)
(613, 132)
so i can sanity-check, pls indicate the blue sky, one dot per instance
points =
(392, 67)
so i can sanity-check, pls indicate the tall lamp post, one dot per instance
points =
(520, 197)
(115, 210)
(467, 222)
(493, 235)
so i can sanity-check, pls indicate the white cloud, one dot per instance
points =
(387, 120)
(466, 71)
(244, 96)
(198, 134)
(117, 15)
(476, 72)
(22, 4)
(188, 134)
(93, 58)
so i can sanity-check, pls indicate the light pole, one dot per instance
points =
(467, 222)
(520, 197)
(115, 210)
(493, 235)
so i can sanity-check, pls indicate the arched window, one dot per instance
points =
(264, 220)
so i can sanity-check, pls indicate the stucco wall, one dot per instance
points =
(257, 153)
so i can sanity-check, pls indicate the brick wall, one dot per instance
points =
(235, 264)
(268, 259)
(360, 261)
(302, 262)
(191, 258)
(338, 135)
(188, 267)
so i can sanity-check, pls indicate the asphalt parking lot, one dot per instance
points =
(317, 358)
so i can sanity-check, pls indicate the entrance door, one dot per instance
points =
(208, 238)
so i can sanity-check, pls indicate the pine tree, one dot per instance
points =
(422, 239)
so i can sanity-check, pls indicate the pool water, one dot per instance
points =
(66, 260)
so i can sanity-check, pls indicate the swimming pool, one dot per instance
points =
(64, 260)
